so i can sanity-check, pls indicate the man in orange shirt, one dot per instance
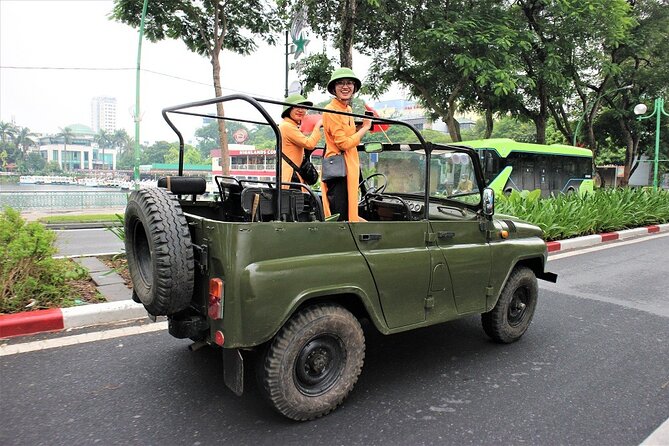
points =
(340, 195)
(293, 141)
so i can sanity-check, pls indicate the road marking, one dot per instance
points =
(605, 246)
(6, 350)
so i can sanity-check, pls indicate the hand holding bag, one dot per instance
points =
(334, 167)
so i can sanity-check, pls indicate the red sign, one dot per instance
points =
(240, 136)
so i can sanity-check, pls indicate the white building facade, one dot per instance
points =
(103, 114)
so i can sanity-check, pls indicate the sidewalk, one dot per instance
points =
(35, 214)
(120, 306)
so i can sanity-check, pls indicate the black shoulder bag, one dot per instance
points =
(307, 170)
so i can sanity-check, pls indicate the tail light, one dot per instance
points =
(215, 299)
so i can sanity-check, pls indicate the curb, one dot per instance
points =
(590, 240)
(56, 319)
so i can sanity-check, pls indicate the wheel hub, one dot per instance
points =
(517, 307)
(319, 364)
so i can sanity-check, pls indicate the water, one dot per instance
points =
(56, 196)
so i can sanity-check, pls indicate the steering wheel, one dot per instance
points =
(372, 190)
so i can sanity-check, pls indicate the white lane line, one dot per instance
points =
(6, 350)
(605, 246)
(660, 437)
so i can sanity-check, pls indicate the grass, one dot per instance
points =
(84, 218)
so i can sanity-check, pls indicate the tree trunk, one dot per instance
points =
(453, 125)
(348, 12)
(489, 123)
(216, 71)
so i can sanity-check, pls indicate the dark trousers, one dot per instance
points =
(338, 197)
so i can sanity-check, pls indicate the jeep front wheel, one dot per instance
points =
(513, 313)
(313, 362)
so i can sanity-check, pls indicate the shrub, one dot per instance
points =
(30, 278)
(604, 210)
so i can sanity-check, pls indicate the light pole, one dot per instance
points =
(589, 110)
(658, 111)
(137, 118)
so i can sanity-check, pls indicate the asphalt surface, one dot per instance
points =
(592, 369)
(86, 242)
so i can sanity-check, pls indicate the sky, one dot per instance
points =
(37, 36)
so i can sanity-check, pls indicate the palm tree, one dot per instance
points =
(7, 131)
(105, 140)
(24, 139)
(123, 142)
(67, 135)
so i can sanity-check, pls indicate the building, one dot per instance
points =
(412, 113)
(103, 114)
(247, 162)
(81, 153)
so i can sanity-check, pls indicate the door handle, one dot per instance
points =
(446, 234)
(369, 237)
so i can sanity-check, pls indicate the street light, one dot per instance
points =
(589, 110)
(658, 111)
(137, 116)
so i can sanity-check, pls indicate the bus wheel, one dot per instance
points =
(570, 190)
(508, 191)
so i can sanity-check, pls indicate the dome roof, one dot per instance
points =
(81, 130)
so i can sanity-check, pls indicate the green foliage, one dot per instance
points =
(605, 210)
(30, 278)
(191, 155)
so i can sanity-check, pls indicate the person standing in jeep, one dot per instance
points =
(340, 195)
(293, 140)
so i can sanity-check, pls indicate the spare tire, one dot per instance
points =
(159, 251)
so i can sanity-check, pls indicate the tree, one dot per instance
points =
(441, 52)
(191, 155)
(104, 140)
(24, 139)
(66, 135)
(207, 27)
(155, 153)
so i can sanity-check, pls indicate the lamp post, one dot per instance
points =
(658, 111)
(137, 117)
(589, 110)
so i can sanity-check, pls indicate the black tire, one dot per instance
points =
(159, 251)
(513, 313)
(313, 362)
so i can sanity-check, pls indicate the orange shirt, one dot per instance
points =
(340, 137)
(293, 143)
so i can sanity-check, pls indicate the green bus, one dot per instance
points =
(557, 168)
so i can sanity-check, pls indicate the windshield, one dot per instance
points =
(452, 173)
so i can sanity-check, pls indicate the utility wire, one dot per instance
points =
(11, 67)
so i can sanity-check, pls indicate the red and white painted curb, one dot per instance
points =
(590, 240)
(57, 319)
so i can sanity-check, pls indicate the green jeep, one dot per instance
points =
(259, 268)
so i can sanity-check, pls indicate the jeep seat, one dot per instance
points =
(184, 185)
(292, 204)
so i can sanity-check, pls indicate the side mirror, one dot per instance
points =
(373, 147)
(488, 202)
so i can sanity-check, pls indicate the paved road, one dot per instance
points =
(592, 369)
(72, 242)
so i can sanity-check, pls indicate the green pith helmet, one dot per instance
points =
(343, 73)
(295, 99)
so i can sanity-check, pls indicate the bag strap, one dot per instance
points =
(289, 161)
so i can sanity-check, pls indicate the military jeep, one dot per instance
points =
(259, 268)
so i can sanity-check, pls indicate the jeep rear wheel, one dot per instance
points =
(159, 251)
(313, 362)
(513, 313)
